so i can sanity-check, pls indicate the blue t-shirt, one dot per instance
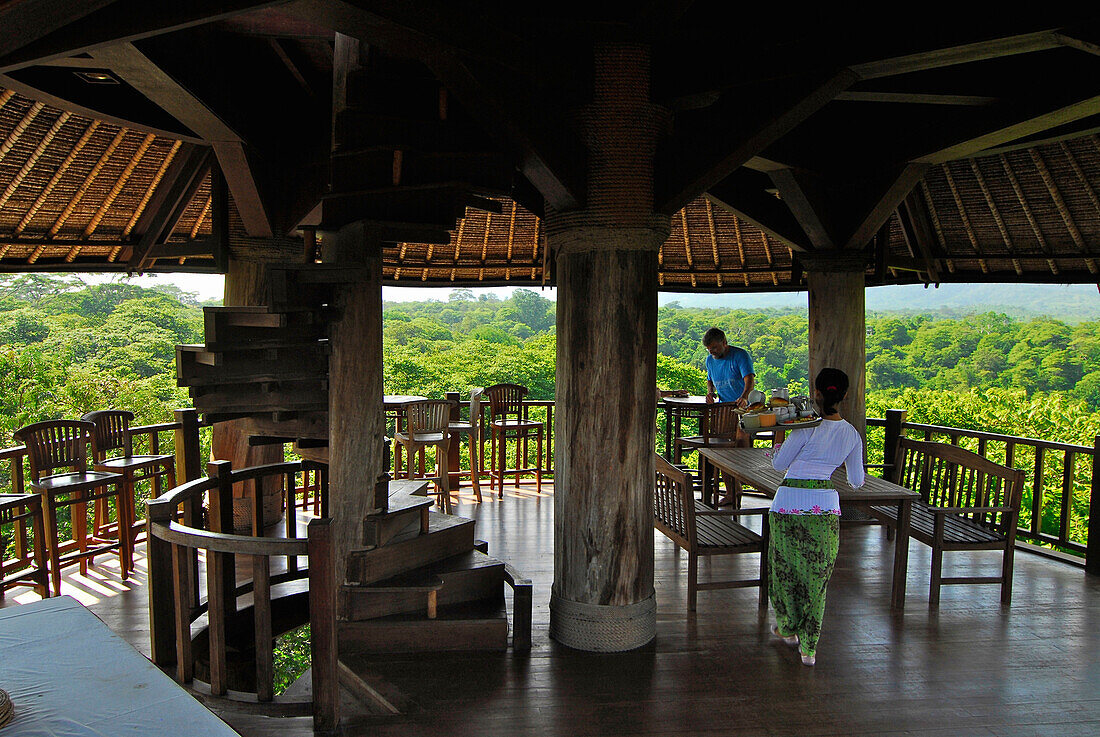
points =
(728, 373)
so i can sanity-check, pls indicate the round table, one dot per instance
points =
(676, 409)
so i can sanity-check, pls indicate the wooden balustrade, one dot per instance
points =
(175, 604)
(1059, 475)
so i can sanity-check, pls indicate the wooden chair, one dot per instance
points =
(718, 428)
(967, 503)
(702, 531)
(112, 432)
(64, 444)
(508, 419)
(428, 423)
(28, 565)
(472, 430)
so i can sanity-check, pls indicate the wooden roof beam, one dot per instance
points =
(806, 197)
(744, 194)
(190, 169)
(911, 98)
(142, 74)
(122, 20)
(704, 150)
(964, 54)
(916, 227)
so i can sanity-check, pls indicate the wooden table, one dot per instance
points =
(68, 674)
(750, 466)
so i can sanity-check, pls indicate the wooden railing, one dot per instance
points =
(180, 534)
(1063, 478)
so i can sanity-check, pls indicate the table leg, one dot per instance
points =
(901, 555)
(706, 470)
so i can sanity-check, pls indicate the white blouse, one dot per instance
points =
(814, 453)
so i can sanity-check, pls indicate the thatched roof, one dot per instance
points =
(940, 151)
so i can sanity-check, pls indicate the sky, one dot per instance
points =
(207, 286)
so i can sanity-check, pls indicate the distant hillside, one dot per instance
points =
(1072, 303)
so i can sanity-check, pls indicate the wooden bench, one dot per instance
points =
(702, 531)
(967, 503)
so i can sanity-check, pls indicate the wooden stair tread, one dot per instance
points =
(446, 536)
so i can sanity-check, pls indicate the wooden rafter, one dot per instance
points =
(137, 70)
(703, 152)
(29, 164)
(188, 175)
(45, 193)
(1063, 210)
(120, 182)
(203, 214)
(121, 20)
(83, 188)
(1086, 185)
(744, 196)
(485, 240)
(713, 241)
(961, 206)
(996, 216)
(511, 230)
(458, 238)
(687, 238)
(1039, 237)
(917, 229)
(936, 226)
(963, 54)
(19, 129)
(805, 197)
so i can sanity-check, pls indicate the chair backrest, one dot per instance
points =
(429, 415)
(57, 444)
(506, 400)
(476, 395)
(112, 430)
(722, 421)
(673, 503)
(949, 476)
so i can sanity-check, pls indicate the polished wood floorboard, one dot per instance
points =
(970, 668)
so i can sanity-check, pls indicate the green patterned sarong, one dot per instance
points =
(801, 554)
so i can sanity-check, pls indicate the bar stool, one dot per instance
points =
(428, 423)
(28, 566)
(64, 444)
(472, 431)
(508, 418)
(112, 432)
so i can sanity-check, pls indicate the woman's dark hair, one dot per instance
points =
(833, 385)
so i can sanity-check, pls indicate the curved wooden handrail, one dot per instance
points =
(164, 506)
(220, 542)
(270, 469)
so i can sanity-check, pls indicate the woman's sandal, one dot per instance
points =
(808, 660)
(792, 640)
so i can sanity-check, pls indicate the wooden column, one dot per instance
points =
(246, 286)
(838, 330)
(606, 263)
(356, 423)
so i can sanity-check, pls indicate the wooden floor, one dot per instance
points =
(972, 668)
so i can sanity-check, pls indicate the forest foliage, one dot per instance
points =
(67, 347)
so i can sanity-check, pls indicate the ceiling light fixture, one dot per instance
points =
(97, 77)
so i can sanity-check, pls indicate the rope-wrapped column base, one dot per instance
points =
(602, 629)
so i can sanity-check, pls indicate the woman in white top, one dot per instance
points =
(805, 516)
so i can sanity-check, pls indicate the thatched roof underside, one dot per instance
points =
(75, 195)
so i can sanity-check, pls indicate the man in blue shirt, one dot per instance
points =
(730, 376)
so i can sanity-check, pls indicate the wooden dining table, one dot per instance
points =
(751, 467)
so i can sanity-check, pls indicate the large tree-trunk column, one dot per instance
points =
(606, 262)
(356, 422)
(838, 333)
(246, 286)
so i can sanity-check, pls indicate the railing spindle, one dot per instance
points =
(1037, 493)
(1067, 494)
(261, 610)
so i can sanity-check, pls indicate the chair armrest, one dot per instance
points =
(969, 510)
(883, 466)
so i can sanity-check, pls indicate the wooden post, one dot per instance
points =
(356, 420)
(895, 421)
(1092, 552)
(322, 626)
(606, 261)
(162, 617)
(838, 334)
(221, 579)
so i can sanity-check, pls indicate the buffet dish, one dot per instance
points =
(778, 411)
